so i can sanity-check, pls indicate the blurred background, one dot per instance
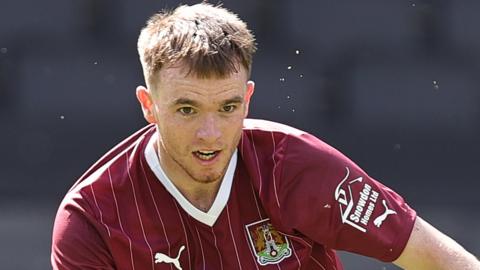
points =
(392, 84)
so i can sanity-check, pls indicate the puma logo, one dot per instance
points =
(379, 220)
(162, 258)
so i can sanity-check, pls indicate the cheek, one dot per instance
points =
(174, 134)
(234, 128)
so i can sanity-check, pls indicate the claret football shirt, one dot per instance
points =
(287, 201)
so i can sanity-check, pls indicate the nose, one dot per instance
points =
(209, 130)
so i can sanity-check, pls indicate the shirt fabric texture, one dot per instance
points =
(288, 201)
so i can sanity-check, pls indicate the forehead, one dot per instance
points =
(176, 81)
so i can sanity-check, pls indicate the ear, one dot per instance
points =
(144, 96)
(248, 95)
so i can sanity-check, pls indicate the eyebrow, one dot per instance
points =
(193, 103)
(185, 101)
(235, 99)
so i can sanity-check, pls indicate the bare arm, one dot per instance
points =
(428, 248)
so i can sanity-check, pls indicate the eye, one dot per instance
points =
(229, 108)
(186, 110)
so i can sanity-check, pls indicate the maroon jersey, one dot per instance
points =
(287, 201)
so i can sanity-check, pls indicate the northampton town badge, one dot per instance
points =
(268, 244)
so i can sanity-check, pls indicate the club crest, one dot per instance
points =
(269, 246)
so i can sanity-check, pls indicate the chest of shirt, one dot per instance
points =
(162, 235)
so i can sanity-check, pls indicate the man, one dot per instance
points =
(202, 187)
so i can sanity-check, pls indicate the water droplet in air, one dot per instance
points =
(297, 52)
(62, 117)
(293, 110)
(288, 97)
(435, 85)
(413, 5)
(282, 79)
(289, 67)
(301, 76)
(95, 63)
(3, 50)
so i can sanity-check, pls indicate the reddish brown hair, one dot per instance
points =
(210, 40)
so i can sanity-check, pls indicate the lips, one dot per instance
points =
(206, 155)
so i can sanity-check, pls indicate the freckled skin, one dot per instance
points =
(193, 114)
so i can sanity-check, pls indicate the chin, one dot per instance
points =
(208, 178)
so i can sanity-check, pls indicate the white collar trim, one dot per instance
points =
(223, 194)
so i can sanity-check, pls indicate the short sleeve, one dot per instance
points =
(76, 242)
(328, 198)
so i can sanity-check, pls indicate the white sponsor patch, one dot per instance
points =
(355, 209)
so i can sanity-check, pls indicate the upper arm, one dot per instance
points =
(343, 208)
(76, 244)
(428, 248)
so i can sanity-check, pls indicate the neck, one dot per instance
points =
(199, 194)
(201, 199)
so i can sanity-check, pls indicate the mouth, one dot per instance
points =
(206, 155)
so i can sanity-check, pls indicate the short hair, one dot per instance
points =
(210, 40)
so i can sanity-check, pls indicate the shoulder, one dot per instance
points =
(272, 150)
(130, 142)
(292, 156)
(292, 142)
(108, 175)
(265, 126)
(289, 165)
(89, 212)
